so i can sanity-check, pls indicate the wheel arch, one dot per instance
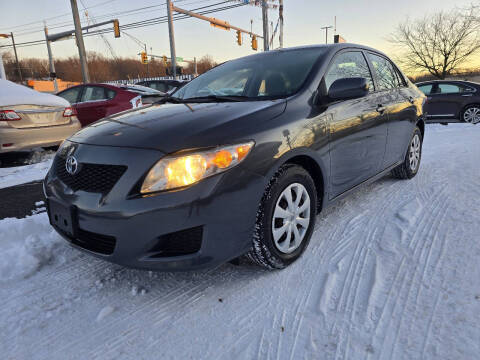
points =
(315, 171)
(421, 126)
(313, 164)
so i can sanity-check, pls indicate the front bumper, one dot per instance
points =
(223, 206)
(29, 138)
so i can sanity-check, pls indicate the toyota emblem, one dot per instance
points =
(71, 165)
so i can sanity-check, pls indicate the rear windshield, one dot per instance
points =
(275, 75)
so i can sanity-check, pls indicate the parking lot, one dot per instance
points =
(391, 273)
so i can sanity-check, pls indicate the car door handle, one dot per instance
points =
(467, 95)
(380, 108)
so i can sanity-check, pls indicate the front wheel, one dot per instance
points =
(471, 114)
(409, 168)
(285, 218)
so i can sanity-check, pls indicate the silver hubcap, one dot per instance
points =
(414, 153)
(291, 218)
(472, 115)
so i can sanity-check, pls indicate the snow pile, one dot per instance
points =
(27, 245)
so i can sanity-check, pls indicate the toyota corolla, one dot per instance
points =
(237, 162)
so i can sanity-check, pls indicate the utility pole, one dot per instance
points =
(6, 36)
(280, 17)
(265, 25)
(80, 44)
(50, 60)
(16, 57)
(173, 56)
(195, 70)
(326, 32)
(2, 69)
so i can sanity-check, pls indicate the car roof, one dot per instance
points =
(331, 48)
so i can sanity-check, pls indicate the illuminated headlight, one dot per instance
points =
(178, 171)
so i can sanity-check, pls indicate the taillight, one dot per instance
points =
(9, 115)
(69, 111)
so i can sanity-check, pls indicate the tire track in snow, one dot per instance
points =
(422, 230)
(357, 261)
(417, 285)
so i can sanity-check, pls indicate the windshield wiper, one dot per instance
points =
(217, 98)
(170, 99)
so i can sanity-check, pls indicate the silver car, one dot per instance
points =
(30, 119)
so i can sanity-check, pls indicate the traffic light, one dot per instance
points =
(254, 43)
(116, 28)
(239, 38)
(164, 58)
(144, 57)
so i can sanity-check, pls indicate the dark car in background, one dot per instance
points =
(238, 161)
(163, 85)
(451, 101)
(96, 101)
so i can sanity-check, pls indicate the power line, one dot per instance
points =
(140, 24)
(123, 13)
(58, 16)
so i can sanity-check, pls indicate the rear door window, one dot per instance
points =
(93, 93)
(71, 95)
(348, 65)
(386, 74)
(450, 88)
(110, 93)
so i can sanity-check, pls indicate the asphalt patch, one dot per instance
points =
(22, 200)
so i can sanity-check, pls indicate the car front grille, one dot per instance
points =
(94, 178)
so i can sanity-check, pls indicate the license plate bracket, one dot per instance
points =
(62, 217)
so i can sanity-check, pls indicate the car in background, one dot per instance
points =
(30, 119)
(451, 101)
(164, 85)
(93, 101)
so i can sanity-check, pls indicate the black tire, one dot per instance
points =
(405, 171)
(465, 110)
(264, 251)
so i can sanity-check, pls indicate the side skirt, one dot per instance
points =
(366, 182)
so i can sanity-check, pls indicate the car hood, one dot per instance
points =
(173, 127)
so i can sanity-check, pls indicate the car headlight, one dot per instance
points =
(178, 171)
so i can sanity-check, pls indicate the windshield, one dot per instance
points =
(274, 75)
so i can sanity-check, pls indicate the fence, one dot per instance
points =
(136, 80)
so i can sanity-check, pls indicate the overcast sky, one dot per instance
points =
(364, 22)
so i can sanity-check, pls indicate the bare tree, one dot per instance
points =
(438, 44)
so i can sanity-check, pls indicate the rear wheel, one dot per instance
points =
(285, 218)
(409, 168)
(471, 114)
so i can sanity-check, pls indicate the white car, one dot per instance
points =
(30, 119)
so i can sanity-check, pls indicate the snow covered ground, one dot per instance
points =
(391, 273)
(34, 167)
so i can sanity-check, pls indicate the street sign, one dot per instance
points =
(179, 59)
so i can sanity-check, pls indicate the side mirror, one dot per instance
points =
(348, 88)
